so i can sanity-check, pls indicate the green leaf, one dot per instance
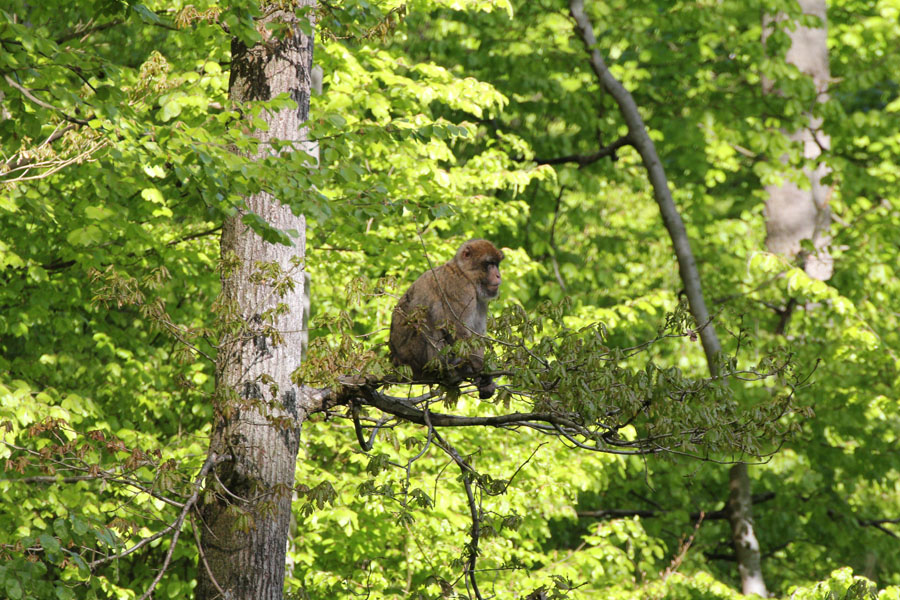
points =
(79, 526)
(49, 543)
(146, 15)
(85, 236)
(171, 109)
(153, 195)
(98, 213)
(13, 589)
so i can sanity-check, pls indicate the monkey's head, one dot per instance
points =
(480, 261)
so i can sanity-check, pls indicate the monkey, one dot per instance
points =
(446, 304)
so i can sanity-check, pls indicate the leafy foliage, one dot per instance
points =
(441, 121)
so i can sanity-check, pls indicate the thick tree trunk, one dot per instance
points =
(246, 510)
(792, 213)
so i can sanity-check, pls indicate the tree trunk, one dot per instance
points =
(794, 214)
(246, 508)
(640, 139)
(746, 547)
(742, 524)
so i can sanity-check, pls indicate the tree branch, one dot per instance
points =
(203, 556)
(583, 160)
(27, 93)
(89, 28)
(618, 513)
(467, 474)
(549, 423)
(637, 134)
(17, 164)
(212, 460)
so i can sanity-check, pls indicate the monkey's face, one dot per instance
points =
(491, 282)
(480, 260)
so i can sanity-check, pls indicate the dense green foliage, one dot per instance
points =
(441, 121)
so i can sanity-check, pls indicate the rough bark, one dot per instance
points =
(246, 509)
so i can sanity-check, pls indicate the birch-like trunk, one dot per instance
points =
(746, 546)
(245, 514)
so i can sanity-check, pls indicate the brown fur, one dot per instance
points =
(446, 304)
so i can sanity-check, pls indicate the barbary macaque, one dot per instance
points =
(446, 304)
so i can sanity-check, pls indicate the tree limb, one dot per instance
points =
(617, 513)
(27, 93)
(637, 134)
(467, 474)
(212, 460)
(176, 526)
(583, 160)
(89, 28)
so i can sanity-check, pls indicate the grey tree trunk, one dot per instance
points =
(641, 141)
(746, 546)
(246, 509)
(792, 214)
(751, 576)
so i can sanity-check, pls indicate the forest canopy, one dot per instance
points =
(209, 212)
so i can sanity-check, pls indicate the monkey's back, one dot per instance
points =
(424, 321)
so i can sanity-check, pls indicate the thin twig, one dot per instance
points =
(88, 30)
(582, 160)
(138, 546)
(559, 279)
(683, 550)
(211, 460)
(424, 449)
(203, 556)
(467, 473)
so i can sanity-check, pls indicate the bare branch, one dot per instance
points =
(467, 473)
(87, 30)
(618, 513)
(203, 556)
(175, 526)
(357, 427)
(51, 166)
(102, 475)
(135, 548)
(14, 164)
